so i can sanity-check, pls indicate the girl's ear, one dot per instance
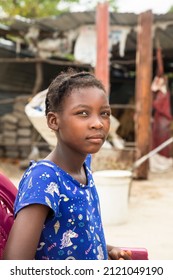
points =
(53, 121)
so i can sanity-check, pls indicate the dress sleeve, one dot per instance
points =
(39, 186)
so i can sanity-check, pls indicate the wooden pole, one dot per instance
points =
(102, 51)
(143, 90)
(38, 79)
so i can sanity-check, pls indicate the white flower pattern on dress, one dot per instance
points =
(52, 188)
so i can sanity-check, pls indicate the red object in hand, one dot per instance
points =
(137, 253)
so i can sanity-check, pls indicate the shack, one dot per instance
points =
(32, 52)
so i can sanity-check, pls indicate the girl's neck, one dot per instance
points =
(69, 162)
(67, 159)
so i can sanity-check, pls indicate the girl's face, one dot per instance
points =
(84, 123)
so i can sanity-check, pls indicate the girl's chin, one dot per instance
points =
(94, 151)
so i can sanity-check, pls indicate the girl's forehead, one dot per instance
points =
(91, 95)
(87, 91)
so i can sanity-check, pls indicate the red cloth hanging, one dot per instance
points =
(162, 115)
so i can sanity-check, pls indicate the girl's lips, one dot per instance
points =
(97, 139)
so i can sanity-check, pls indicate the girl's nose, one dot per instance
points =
(96, 123)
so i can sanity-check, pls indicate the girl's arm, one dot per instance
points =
(25, 233)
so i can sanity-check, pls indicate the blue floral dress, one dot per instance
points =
(73, 229)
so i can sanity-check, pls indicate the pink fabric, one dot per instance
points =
(7, 196)
(162, 121)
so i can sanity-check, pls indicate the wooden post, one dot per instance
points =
(102, 51)
(38, 79)
(143, 90)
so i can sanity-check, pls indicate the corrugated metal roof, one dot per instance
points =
(163, 26)
(68, 21)
(73, 20)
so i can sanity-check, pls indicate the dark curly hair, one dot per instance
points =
(63, 85)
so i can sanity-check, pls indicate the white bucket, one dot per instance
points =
(113, 190)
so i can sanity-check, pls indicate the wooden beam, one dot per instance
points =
(143, 90)
(43, 60)
(102, 31)
(122, 106)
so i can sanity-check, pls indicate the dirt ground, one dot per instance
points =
(150, 213)
(150, 217)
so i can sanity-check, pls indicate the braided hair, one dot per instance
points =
(63, 85)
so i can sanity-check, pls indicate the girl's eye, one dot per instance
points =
(106, 113)
(83, 113)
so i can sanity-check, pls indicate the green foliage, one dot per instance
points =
(31, 8)
(113, 5)
(171, 9)
(41, 8)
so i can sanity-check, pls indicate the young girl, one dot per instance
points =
(57, 212)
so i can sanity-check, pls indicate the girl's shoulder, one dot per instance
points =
(39, 185)
(41, 165)
(39, 170)
(43, 162)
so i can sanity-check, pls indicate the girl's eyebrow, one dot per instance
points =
(81, 106)
(106, 106)
(87, 106)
